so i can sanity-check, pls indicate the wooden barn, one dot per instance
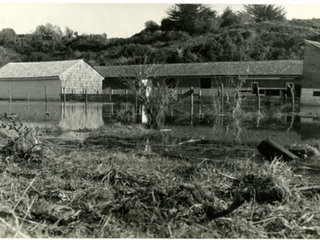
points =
(272, 78)
(310, 93)
(48, 80)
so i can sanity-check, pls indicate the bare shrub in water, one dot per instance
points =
(127, 113)
(155, 97)
(157, 103)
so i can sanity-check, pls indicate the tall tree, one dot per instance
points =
(228, 17)
(151, 26)
(265, 12)
(186, 17)
(48, 36)
(7, 37)
(49, 32)
(207, 20)
(167, 25)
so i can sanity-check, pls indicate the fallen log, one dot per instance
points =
(310, 188)
(271, 150)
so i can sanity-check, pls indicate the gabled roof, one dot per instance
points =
(281, 67)
(312, 43)
(36, 69)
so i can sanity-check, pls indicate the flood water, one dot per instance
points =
(79, 116)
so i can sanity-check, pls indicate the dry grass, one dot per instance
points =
(129, 193)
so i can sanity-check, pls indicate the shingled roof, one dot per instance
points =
(36, 69)
(281, 67)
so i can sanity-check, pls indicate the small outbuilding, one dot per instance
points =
(48, 80)
(310, 93)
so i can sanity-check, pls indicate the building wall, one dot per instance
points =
(188, 82)
(114, 83)
(81, 77)
(35, 87)
(310, 96)
(311, 67)
(229, 84)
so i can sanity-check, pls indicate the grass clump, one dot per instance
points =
(272, 181)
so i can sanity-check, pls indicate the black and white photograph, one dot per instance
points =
(160, 119)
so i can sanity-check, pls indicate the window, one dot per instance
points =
(316, 94)
(273, 92)
(205, 83)
(262, 91)
(254, 86)
(171, 82)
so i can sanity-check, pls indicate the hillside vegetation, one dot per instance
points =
(242, 41)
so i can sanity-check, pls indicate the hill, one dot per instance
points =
(272, 40)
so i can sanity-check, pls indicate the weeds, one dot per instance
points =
(23, 142)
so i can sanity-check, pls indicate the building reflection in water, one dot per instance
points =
(68, 116)
(81, 116)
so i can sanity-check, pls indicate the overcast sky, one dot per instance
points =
(116, 19)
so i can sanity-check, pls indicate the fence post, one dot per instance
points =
(28, 102)
(292, 96)
(86, 94)
(110, 94)
(45, 110)
(10, 97)
(258, 98)
(191, 107)
(45, 94)
(218, 101)
(221, 97)
(64, 94)
(199, 103)
(71, 95)
(111, 114)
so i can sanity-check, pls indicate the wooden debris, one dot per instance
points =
(271, 150)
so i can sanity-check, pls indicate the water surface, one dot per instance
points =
(79, 116)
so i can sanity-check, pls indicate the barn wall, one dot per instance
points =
(81, 77)
(36, 88)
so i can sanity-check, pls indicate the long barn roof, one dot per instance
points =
(279, 67)
(36, 69)
(312, 43)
